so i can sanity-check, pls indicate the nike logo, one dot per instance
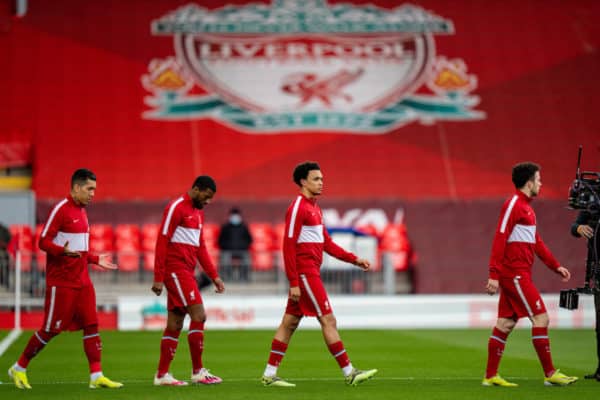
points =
(75, 220)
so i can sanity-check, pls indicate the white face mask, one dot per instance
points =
(235, 219)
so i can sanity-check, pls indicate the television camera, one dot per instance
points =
(584, 195)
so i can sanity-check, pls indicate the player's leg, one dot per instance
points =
(177, 303)
(510, 309)
(528, 301)
(168, 347)
(496, 344)
(86, 316)
(58, 312)
(196, 345)
(283, 335)
(353, 376)
(314, 301)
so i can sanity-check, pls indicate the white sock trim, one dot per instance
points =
(271, 370)
(18, 368)
(95, 375)
(347, 370)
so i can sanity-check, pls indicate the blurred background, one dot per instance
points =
(415, 112)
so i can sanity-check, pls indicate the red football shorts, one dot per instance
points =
(68, 308)
(182, 291)
(313, 298)
(519, 298)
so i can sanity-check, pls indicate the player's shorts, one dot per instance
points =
(67, 308)
(313, 298)
(182, 291)
(519, 298)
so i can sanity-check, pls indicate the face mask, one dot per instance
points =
(235, 219)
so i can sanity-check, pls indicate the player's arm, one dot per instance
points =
(102, 260)
(336, 251)
(544, 253)
(170, 220)
(208, 266)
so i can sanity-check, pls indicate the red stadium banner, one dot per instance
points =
(425, 99)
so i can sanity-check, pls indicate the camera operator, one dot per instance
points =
(583, 227)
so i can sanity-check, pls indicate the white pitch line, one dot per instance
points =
(9, 339)
(257, 380)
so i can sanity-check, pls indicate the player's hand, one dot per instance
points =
(157, 288)
(295, 293)
(67, 252)
(565, 273)
(219, 285)
(105, 261)
(362, 264)
(585, 231)
(491, 287)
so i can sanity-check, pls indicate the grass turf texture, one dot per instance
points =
(413, 364)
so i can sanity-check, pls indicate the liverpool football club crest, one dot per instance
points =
(305, 65)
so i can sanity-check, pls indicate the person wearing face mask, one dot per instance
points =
(234, 242)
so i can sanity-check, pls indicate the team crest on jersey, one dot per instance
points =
(297, 65)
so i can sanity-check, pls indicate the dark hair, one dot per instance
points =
(205, 182)
(301, 171)
(524, 172)
(81, 176)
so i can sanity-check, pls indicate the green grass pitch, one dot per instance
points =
(413, 364)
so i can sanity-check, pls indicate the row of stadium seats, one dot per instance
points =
(133, 245)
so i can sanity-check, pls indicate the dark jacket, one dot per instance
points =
(234, 237)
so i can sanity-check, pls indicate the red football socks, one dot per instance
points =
(196, 344)
(541, 342)
(92, 345)
(278, 350)
(339, 353)
(496, 345)
(168, 346)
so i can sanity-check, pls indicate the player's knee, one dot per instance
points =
(328, 321)
(506, 325)
(290, 325)
(541, 320)
(199, 317)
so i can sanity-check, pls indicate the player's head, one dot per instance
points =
(83, 186)
(308, 176)
(202, 191)
(526, 177)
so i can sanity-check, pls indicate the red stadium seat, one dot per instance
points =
(148, 260)
(22, 239)
(101, 238)
(128, 261)
(40, 255)
(396, 246)
(278, 234)
(128, 246)
(262, 236)
(262, 260)
(149, 234)
(127, 237)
